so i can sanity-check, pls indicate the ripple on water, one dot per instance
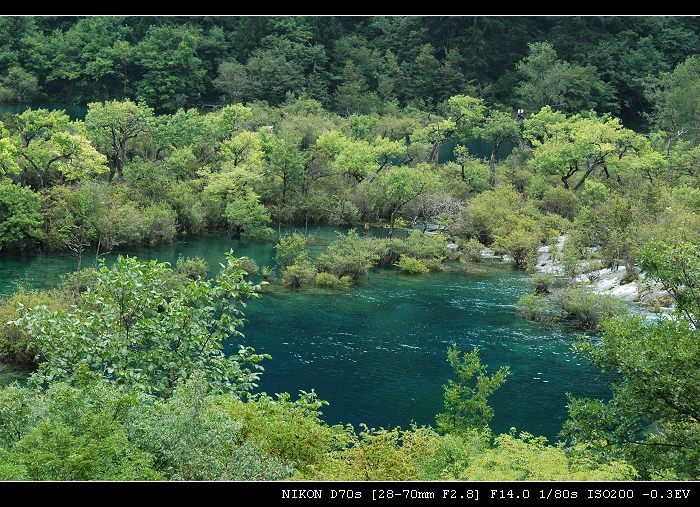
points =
(377, 352)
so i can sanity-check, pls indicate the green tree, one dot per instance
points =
(49, 145)
(173, 72)
(20, 215)
(247, 217)
(497, 129)
(652, 419)
(676, 109)
(466, 399)
(114, 127)
(548, 81)
(352, 95)
(132, 329)
(400, 186)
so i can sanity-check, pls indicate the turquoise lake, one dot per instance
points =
(377, 352)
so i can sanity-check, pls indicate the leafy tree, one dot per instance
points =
(353, 95)
(114, 127)
(548, 81)
(74, 222)
(675, 105)
(400, 186)
(173, 72)
(652, 418)
(497, 129)
(247, 217)
(20, 215)
(584, 144)
(47, 144)
(133, 330)
(466, 399)
(18, 85)
(290, 248)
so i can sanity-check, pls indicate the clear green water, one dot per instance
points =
(377, 352)
(76, 112)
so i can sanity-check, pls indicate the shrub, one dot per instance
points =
(69, 282)
(389, 250)
(560, 201)
(542, 283)
(290, 247)
(248, 265)
(350, 255)
(333, 282)
(16, 345)
(520, 244)
(588, 309)
(487, 213)
(539, 309)
(299, 274)
(426, 246)
(412, 265)
(471, 250)
(192, 268)
(20, 215)
(286, 430)
(159, 223)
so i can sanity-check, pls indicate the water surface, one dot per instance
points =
(377, 352)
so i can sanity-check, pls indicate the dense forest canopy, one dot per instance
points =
(349, 64)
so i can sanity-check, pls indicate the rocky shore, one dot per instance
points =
(645, 294)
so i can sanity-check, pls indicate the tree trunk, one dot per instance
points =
(492, 167)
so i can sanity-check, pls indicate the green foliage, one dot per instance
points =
(542, 283)
(412, 265)
(20, 215)
(16, 345)
(563, 202)
(520, 243)
(528, 458)
(290, 248)
(471, 250)
(349, 255)
(133, 330)
(586, 309)
(376, 454)
(247, 217)
(290, 431)
(677, 267)
(651, 419)
(466, 398)
(548, 81)
(538, 308)
(300, 273)
(192, 268)
(330, 281)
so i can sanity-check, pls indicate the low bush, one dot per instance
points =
(333, 282)
(350, 255)
(471, 250)
(539, 309)
(412, 265)
(15, 343)
(193, 268)
(298, 274)
(588, 309)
